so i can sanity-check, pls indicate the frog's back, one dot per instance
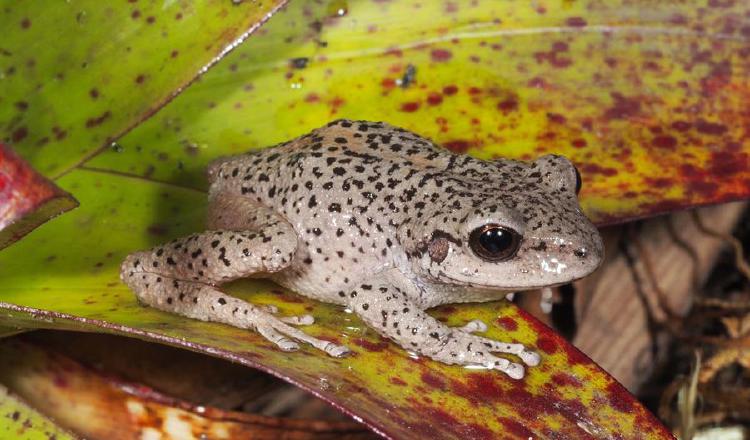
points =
(360, 150)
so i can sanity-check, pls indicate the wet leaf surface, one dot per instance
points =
(26, 198)
(650, 106)
(98, 405)
(380, 384)
(76, 75)
(20, 422)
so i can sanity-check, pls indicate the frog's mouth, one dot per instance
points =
(492, 285)
(506, 290)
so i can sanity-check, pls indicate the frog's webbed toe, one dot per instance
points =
(458, 347)
(515, 371)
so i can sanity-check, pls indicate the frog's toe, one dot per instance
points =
(513, 370)
(280, 326)
(288, 345)
(475, 326)
(277, 338)
(530, 358)
(337, 350)
(299, 320)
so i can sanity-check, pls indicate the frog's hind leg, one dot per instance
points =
(181, 276)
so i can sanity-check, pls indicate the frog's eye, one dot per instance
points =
(579, 182)
(493, 242)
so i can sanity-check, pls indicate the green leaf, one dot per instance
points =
(21, 422)
(76, 75)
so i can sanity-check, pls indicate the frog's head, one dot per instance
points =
(506, 226)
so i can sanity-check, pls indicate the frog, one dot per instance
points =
(381, 221)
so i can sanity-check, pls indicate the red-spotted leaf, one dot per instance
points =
(648, 98)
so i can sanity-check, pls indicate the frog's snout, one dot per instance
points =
(593, 253)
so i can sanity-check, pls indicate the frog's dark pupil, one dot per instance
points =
(494, 242)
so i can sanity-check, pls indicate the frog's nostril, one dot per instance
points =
(580, 252)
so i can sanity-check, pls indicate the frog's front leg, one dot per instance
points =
(389, 310)
(181, 276)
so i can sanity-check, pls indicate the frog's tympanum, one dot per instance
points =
(380, 220)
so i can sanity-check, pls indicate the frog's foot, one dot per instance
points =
(458, 347)
(200, 301)
(528, 357)
(278, 331)
(389, 310)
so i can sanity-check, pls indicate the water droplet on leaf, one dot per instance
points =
(338, 8)
(81, 17)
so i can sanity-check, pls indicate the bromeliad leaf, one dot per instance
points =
(21, 422)
(641, 103)
(26, 198)
(395, 394)
(651, 107)
(73, 394)
(76, 75)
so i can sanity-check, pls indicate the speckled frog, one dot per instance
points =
(377, 219)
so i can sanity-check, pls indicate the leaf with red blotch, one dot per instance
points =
(27, 199)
